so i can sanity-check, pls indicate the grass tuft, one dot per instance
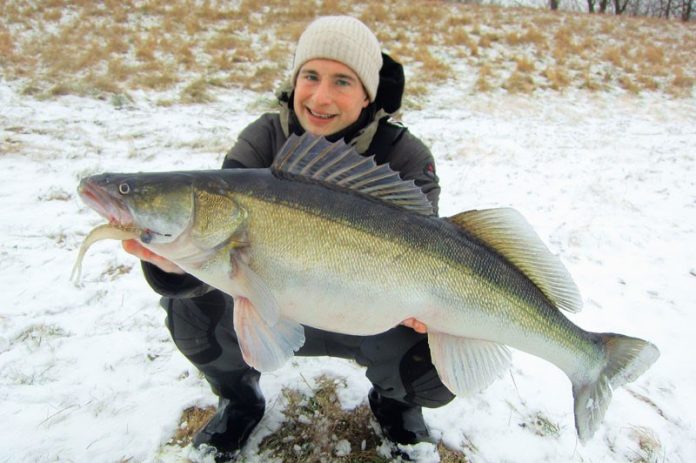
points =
(524, 64)
(681, 84)
(649, 446)
(37, 334)
(519, 82)
(541, 426)
(484, 80)
(192, 420)
(196, 93)
(628, 84)
(6, 44)
(557, 77)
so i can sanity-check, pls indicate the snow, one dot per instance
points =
(89, 373)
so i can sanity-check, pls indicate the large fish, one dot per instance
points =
(329, 239)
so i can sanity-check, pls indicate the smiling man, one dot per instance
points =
(342, 87)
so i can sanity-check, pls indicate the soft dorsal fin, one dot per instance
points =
(508, 233)
(338, 164)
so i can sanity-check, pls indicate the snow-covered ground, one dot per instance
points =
(89, 374)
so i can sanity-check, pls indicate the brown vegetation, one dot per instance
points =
(102, 48)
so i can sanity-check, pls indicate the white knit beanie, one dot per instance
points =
(344, 39)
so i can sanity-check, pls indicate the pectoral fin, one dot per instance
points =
(267, 340)
(467, 365)
(252, 287)
(265, 347)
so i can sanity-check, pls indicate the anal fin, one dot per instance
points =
(467, 365)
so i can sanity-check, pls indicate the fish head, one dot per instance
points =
(160, 206)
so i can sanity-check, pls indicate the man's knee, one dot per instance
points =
(192, 324)
(399, 366)
(421, 382)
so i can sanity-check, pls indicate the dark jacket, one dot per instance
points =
(373, 135)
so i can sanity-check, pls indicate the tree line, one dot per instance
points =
(668, 9)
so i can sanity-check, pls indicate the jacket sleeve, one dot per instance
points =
(172, 284)
(413, 160)
(254, 148)
(256, 144)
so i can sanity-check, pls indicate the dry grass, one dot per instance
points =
(191, 421)
(590, 82)
(681, 84)
(557, 77)
(519, 82)
(649, 447)
(485, 79)
(524, 64)
(111, 47)
(196, 92)
(315, 425)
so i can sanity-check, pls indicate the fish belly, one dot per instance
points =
(342, 306)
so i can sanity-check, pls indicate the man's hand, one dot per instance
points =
(414, 324)
(142, 253)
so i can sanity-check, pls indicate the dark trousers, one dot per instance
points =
(397, 361)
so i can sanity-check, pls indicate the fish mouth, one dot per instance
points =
(105, 204)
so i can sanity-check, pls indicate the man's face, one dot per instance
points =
(329, 96)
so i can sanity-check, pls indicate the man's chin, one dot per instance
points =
(323, 131)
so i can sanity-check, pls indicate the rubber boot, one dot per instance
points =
(237, 415)
(402, 423)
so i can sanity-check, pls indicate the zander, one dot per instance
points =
(327, 238)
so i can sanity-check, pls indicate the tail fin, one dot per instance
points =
(626, 359)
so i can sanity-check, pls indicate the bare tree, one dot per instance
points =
(619, 6)
(602, 6)
(665, 9)
(682, 9)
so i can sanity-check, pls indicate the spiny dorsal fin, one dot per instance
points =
(338, 164)
(507, 232)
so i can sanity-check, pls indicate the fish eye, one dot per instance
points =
(146, 236)
(124, 188)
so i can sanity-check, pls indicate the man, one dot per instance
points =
(343, 87)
